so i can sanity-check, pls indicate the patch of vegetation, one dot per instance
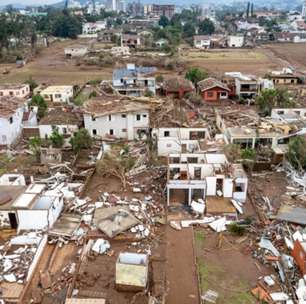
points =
(199, 238)
(297, 153)
(195, 75)
(80, 99)
(81, 140)
(271, 98)
(38, 100)
(236, 229)
(249, 154)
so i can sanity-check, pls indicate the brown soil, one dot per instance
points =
(180, 268)
(292, 53)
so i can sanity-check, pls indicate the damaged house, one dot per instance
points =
(112, 117)
(246, 86)
(14, 114)
(193, 176)
(179, 140)
(249, 131)
(285, 77)
(15, 90)
(19, 203)
(65, 121)
(58, 94)
(134, 81)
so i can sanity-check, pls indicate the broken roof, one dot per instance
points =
(9, 86)
(100, 106)
(176, 84)
(9, 105)
(292, 214)
(9, 194)
(60, 116)
(133, 72)
(114, 220)
(210, 83)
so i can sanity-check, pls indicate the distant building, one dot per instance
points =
(304, 10)
(166, 10)
(76, 51)
(131, 40)
(235, 41)
(14, 90)
(90, 28)
(58, 94)
(201, 41)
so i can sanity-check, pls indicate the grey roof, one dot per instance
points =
(130, 73)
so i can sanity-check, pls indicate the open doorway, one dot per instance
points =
(13, 220)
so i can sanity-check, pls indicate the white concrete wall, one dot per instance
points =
(22, 92)
(32, 219)
(123, 127)
(10, 131)
(76, 52)
(202, 44)
(228, 187)
(46, 130)
(37, 256)
(235, 41)
(211, 182)
(39, 219)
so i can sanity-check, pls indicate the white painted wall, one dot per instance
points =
(37, 256)
(21, 92)
(11, 130)
(76, 52)
(40, 219)
(58, 94)
(235, 41)
(124, 125)
(46, 130)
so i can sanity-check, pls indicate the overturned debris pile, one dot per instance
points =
(17, 255)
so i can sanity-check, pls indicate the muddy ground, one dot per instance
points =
(292, 53)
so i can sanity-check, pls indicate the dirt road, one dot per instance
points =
(180, 269)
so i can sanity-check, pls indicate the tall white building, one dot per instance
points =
(304, 10)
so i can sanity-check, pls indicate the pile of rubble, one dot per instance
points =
(17, 255)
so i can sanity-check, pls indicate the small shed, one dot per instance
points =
(132, 271)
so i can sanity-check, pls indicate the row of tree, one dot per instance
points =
(183, 26)
(16, 29)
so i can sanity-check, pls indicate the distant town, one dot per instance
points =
(153, 153)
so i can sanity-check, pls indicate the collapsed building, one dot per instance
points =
(249, 131)
(193, 176)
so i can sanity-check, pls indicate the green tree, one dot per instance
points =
(297, 153)
(32, 83)
(38, 100)
(34, 145)
(189, 31)
(195, 75)
(163, 21)
(66, 26)
(270, 98)
(206, 27)
(81, 140)
(57, 139)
